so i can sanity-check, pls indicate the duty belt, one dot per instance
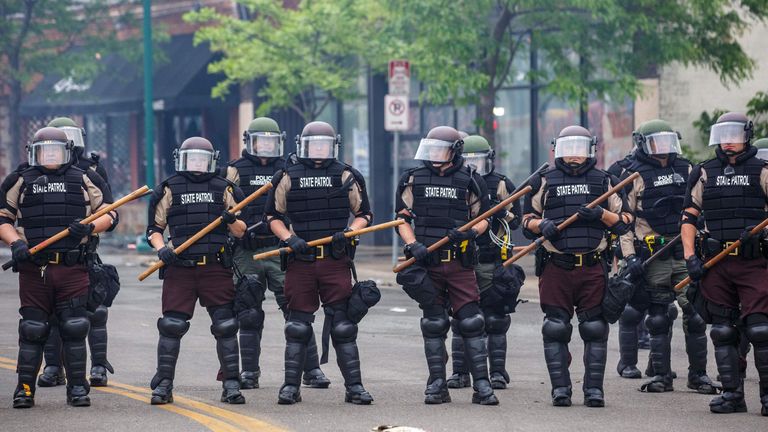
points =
(443, 256)
(314, 253)
(199, 260)
(258, 242)
(652, 243)
(572, 261)
(67, 258)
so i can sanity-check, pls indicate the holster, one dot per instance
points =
(541, 257)
(467, 253)
(748, 251)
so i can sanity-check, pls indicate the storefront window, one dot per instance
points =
(513, 133)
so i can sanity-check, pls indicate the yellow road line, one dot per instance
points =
(246, 422)
(249, 423)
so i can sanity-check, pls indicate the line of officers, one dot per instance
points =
(461, 286)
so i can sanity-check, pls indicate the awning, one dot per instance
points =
(180, 81)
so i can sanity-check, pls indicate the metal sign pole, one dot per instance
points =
(395, 177)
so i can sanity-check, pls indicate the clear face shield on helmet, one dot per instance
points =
(661, 143)
(49, 153)
(728, 133)
(317, 147)
(75, 134)
(196, 160)
(434, 150)
(574, 146)
(480, 161)
(264, 144)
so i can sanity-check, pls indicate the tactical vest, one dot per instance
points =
(664, 193)
(318, 202)
(254, 175)
(439, 202)
(564, 195)
(50, 203)
(489, 251)
(731, 203)
(193, 206)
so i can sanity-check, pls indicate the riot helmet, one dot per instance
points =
(75, 133)
(656, 137)
(263, 138)
(732, 132)
(318, 141)
(478, 153)
(441, 145)
(196, 155)
(575, 141)
(50, 148)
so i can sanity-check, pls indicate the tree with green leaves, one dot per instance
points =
(465, 50)
(64, 37)
(306, 55)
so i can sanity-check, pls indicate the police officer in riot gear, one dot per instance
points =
(185, 203)
(97, 336)
(656, 199)
(260, 160)
(572, 264)
(49, 195)
(730, 192)
(437, 198)
(313, 199)
(494, 247)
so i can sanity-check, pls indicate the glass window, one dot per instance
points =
(513, 133)
(554, 114)
(612, 122)
(354, 135)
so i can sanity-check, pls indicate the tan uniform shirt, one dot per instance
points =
(91, 193)
(642, 227)
(614, 205)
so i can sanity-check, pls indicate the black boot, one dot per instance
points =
(53, 373)
(28, 365)
(725, 338)
(696, 348)
(97, 340)
(52, 376)
(297, 336)
(313, 375)
(478, 362)
(250, 351)
(595, 336)
(231, 392)
(74, 330)
(460, 377)
(497, 357)
(162, 391)
(764, 398)
(658, 324)
(556, 331)
(348, 359)
(627, 367)
(249, 379)
(171, 329)
(437, 387)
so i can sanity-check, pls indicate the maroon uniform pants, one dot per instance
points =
(454, 283)
(57, 284)
(582, 288)
(738, 283)
(325, 280)
(182, 287)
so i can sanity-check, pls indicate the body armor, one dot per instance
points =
(254, 175)
(439, 202)
(51, 202)
(565, 194)
(664, 193)
(193, 206)
(734, 200)
(318, 202)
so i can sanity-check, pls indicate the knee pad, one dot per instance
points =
(723, 334)
(344, 332)
(555, 329)
(251, 319)
(672, 312)
(74, 328)
(33, 331)
(99, 316)
(497, 324)
(657, 323)
(757, 329)
(172, 326)
(695, 323)
(594, 331)
(630, 317)
(472, 326)
(468, 310)
(221, 312)
(298, 331)
(435, 327)
(225, 328)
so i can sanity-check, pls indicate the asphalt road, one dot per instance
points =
(394, 371)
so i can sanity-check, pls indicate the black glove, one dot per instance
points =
(167, 255)
(747, 236)
(297, 244)
(634, 266)
(590, 214)
(457, 236)
(228, 218)
(20, 251)
(78, 230)
(416, 250)
(549, 229)
(501, 214)
(695, 268)
(340, 242)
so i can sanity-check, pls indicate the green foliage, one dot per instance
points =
(757, 110)
(705, 122)
(306, 55)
